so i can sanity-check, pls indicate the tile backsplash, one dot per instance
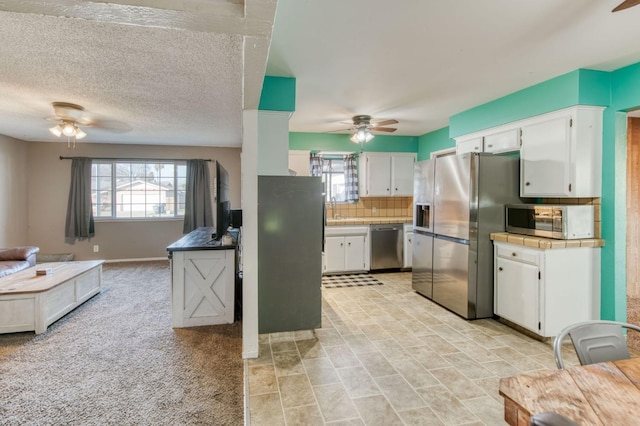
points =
(374, 207)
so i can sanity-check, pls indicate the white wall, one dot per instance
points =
(13, 192)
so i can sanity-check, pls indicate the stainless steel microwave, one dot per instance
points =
(564, 222)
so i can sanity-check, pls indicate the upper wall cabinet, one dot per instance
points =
(386, 174)
(561, 154)
(496, 140)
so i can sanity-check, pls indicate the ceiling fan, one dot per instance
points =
(363, 126)
(626, 5)
(71, 116)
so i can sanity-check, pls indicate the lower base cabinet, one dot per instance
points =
(545, 290)
(203, 283)
(346, 249)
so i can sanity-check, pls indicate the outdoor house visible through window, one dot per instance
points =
(333, 177)
(138, 189)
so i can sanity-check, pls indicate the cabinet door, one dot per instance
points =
(402, 175)
(378, 170)
(354, 253)
(334, 254)
(506, 141)
(408, 249)
(471, 145)
(545, 158)
(516, 293)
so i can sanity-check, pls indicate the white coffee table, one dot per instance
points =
(30, 302)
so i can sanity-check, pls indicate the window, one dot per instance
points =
(127, 189)
(333, 178)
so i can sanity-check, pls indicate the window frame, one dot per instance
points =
(176, 178)
(326, 177)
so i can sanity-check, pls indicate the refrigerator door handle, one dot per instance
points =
(452, 239)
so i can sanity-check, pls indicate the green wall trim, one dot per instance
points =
(341, 142)
(580, 87)
(625, 88)
(434, 141)
(278, 94)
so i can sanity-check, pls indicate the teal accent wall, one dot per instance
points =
(341, 142)
(586, 87)
(278, 94)
(625, 96)
(434, 141)
(617, 91)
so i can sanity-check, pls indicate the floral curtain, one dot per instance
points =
(350, 178)
(315, 165)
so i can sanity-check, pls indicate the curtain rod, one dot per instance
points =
(136, 159)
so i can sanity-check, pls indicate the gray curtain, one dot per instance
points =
(197, 209)
(350, 178)
(79, 223)
(315, 165)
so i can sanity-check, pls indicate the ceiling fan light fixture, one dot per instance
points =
(361, 135)
(69, 129)
(79, 133)
(56, 130)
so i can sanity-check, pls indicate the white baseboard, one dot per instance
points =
(144, 259)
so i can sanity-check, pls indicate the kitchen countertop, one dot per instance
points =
(199, 239)
(368, 220)
(544, 243)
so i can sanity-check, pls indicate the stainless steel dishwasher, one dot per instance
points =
(386, 246)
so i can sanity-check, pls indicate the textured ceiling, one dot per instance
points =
(181, 72)
(150, 72)
(422, 61)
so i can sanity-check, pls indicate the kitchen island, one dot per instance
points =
(202, 280)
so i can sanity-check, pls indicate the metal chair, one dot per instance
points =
(595, 341)
(551, 419)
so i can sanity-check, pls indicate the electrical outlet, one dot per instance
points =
(374, 210)
(96, 248)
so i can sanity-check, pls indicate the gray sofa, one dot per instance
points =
(16, 259)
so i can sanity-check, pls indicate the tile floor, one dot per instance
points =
(388, 356)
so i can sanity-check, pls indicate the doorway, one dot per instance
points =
(633, 224)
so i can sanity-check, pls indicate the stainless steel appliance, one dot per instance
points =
(386, 246)
(551, 221)
(290, 225)
(459, 201)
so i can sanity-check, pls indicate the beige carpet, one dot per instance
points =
(116, 360)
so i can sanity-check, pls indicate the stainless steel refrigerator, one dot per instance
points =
(459, 201)
(290, 227)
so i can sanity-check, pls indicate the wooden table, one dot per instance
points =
(607, 393)
(30, 302)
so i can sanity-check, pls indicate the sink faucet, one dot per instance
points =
(333, 208)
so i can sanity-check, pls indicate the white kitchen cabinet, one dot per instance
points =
(346, 249)
(408, 246)
(544, 290)
(561, 154)
(471, 145)
(495, 140)
(502, 141)
(384, 174)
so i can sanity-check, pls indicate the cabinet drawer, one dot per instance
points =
(516, 253)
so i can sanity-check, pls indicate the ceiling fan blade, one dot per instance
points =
(348, 129)
(387, 122)
(384, 129)
(626, 4)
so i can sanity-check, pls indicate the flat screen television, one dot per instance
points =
(223, 203)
